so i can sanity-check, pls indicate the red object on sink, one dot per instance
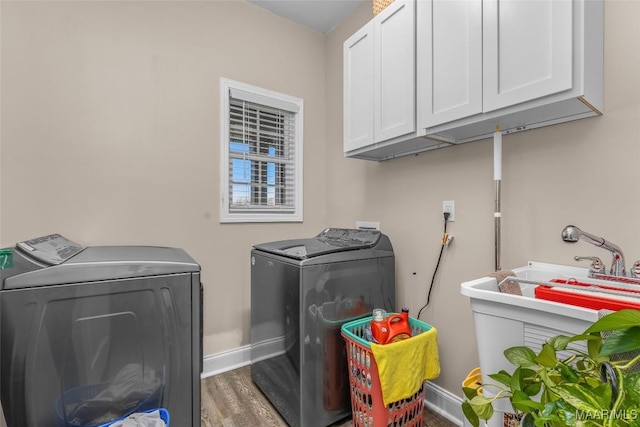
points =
(586, 299)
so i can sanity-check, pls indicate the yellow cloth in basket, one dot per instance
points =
(404, 365)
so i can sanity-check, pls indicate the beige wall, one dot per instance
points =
(110, 130)
(584, 173)
(110, 135)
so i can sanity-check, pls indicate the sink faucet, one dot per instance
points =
(597, 266)
(572, 234)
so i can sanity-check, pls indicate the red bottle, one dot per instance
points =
(391, 328)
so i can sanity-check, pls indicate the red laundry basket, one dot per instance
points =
(367, 406)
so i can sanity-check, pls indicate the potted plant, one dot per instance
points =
(563, 386)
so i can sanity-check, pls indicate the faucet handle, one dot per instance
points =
(635, 269)
(597, 266)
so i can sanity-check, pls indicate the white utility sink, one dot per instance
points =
(504, 320)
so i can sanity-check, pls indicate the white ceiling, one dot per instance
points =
(320, 15)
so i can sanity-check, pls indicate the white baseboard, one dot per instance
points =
(226, 361)
(437, 399)
(444, 403)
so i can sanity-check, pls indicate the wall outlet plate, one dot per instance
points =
(449, 206)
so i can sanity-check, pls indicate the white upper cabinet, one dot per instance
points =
(358, 89)
(515, 64)
(527, 48)
(425, 74)
(394, 71)
(380, 86)
(449, 60)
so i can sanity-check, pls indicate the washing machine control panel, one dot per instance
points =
(52, 249)
(347, 237)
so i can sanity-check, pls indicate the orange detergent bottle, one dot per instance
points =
(387, 329)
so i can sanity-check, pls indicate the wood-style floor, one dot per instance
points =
(231, 399)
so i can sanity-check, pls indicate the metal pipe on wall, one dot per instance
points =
(497, 177)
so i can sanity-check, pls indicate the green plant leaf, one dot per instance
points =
(516, 380)
(586, 365)
(592, 381)
(527, 421)
(564, 412)
(578, 396)
(594, 346)
(529, 382)
(470, 392)
(520, 356)
(501, 377)
(470, 415)
(631, 383)
(560, 342)
(621, 341)
(585, 337)
(547, 356)
(568, 373)
(526, 405)
(550, 421)
(546, 380)
(479, 400)
(603, 391)
(482, 407)
(532, 388)
(522, 402)
(617, 320)
(549, 408)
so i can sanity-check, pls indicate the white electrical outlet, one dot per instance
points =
(450, 207)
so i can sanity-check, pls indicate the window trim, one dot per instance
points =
(269, 98)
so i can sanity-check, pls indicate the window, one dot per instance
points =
(261, 154)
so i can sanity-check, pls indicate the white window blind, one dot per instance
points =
(262, 181)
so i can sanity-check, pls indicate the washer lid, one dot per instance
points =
(330, 240)
(48, 261)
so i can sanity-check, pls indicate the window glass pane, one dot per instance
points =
(271, 168)
(259, 133)
(241, 194)
(271, 196)
(238, 147)
(241, 171)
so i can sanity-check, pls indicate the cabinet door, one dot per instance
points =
(358, 89)
(394, 71)
(449, 46)
(527, 49)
